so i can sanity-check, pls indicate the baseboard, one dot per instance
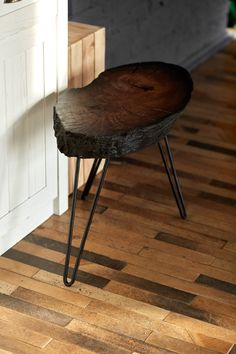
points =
(206, 52)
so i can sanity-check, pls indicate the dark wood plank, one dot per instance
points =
(218, 199)
(217, 284)
(212, 147)
(87, 255)
(177, 240)
(156, 300)
(53, 267)
(34, 310)
(222, 184)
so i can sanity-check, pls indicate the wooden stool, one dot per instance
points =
(124, 110)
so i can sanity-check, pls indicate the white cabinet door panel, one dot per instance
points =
(36, 119)
(17, 129)
(4, 199)
(28, 158)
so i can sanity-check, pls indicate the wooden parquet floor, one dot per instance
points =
(149, 281)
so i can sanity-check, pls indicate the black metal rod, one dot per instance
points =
(72, 219)
(91, 178)
(175, 173)
(173, 178)
(87, 228)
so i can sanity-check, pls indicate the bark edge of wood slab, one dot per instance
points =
(124, 110)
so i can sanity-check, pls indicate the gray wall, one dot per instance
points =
(179, 31)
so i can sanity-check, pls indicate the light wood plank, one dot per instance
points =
(202, 327)
(99, 51)
(23, 334)
(114, 299)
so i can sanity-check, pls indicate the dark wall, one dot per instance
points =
(176, 31)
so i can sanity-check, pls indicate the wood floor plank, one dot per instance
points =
(186, 270)
(177, 345)
(215, 224)
(48, 302)
(225, 265)
(87, 337)
(2, 351)
(114, 299)
(54, 267)
(141, 347)
(201, 327)
(217, 284)
(89, 256)
(196, 215)
(64, 348)
(7, 288)
(205, 341)
(205, 315)
(17, 267)
(17, 346)
(212, 147)
(214, 268)
(23, 334)
(156, 300)
(124, 326)
(42, 252)
(59, 293)
(217, 252)
(192, 288)
(154, 287)
(214, 306)
(231, 246)
(93, 244)
(34, 310)
(129, 315)
(95, 306)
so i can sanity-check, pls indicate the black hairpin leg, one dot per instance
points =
(86, 231)
(172, 176)
(91, 177)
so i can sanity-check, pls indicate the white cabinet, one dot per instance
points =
(28, 89)
(6, 6)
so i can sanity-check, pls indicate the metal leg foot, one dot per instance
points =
(91, 177)
(172, 176)
(74, 271)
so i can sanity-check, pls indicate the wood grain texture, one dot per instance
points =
(149, 282)
(86, 60)
(123, 110)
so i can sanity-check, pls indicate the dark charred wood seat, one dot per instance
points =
(124, 110)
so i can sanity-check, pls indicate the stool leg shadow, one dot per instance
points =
(91, 177)
(168, 162)
(68, 282)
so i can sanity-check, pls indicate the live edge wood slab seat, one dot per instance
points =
(125, 109)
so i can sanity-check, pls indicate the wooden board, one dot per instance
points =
(86, 60)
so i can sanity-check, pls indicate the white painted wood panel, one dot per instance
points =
(28, 90)
(17, 129)
(6, 8)
(4, 199)
(36, 119)
(61, 202)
